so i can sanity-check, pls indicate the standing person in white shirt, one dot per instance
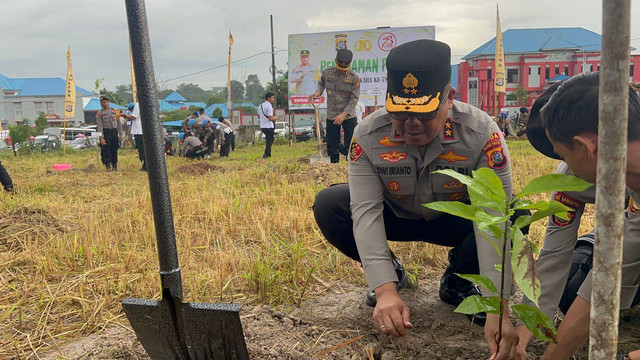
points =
(359, 111)
(267, 122)
(136, 132)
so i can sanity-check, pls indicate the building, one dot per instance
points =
(28, 97)
(535, 59)
(178, 102)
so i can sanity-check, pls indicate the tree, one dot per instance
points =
(41, 123)
(125, 93)
(282, 85)
(174, 115)
(247, 110)
(237, 92)
(20, 132)
(192, 92)
(216, 99)
(113, 97)
(216, 113)
(254, 89)
(521, 94)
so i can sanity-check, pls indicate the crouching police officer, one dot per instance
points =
(393, 154)
(343, 92)
(5, 179)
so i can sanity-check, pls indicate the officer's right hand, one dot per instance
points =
(506, 349)
(524, 336)
(103, 141)
(391, 315)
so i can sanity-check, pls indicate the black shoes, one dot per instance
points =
(453, 290)
(401, 284)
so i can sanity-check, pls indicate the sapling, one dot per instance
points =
(490, 210)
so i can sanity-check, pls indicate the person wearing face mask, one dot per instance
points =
(343, 92)
(392, 157)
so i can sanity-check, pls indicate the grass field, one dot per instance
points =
(74, 244)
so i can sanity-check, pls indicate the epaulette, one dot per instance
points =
(376, 120)
(470, 116)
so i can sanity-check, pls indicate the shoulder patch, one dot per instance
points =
(447, 130)
(496, 158)
(569, 202)
(634, 206)
(355, 150)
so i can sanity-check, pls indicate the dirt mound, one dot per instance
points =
(199, 168)
(321, 173)
(25, 222)
(91, 168)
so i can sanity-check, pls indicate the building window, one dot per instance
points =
(631, 70)
(38, 106)
(566, 70)
(49, 107)
(513, 76)
(557, 69)
(488, 73)
(538, 70)
(546, 72)
(599, 68)
(18, 109)
(529, 70)
(590, 67)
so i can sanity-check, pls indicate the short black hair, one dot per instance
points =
(221, 119)
(268, 95)
(573, 109)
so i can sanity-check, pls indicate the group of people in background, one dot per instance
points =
(201, 136)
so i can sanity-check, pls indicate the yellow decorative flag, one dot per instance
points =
(134, 89)
(70, 94)
(500, 83)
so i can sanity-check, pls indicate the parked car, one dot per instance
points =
(47, 142)
(83, 142)
(306, 130)
(282, 130)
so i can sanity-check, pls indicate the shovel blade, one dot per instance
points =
(206, 331)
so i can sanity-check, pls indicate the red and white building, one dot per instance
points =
(535, 59)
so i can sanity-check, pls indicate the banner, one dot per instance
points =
(499, 82)
(70, 94)
(310, 54)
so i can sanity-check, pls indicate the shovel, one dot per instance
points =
(318, 158)
(170, 329)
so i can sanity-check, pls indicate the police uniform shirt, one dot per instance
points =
(107, 119)
(343, 91)
(190, 142)
(557, 251)
(305, 78)
(383, 168)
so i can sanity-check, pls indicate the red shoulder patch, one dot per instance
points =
(355, 150)
(634, 207)
(569, 202)
(496, 159)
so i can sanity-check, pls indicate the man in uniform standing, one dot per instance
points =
(343, 91)
(110, 129)
(392, 155)
(304, 76)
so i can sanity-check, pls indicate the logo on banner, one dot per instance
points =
(393, 156)
(341, 41)
(387, 41)
(363, 45)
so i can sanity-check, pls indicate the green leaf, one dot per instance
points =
(524, 204)
(498, 267)
(480, 280)
(524, 268)
(488, 179)
(476, 303)
(554, 208)
(478, 193)
(536, 321)
(455, 208)
(554, 182)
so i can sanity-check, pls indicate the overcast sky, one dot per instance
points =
(188, 36)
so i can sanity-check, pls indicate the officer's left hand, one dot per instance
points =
(506, 349)
(339, 119)
(121, 138)
(391, 315)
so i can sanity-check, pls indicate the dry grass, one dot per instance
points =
(73, 245)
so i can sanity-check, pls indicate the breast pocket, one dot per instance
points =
(446, 188)
(398, 182)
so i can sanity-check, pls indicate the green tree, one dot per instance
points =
(192, 92)
(174, 115)
(113, 97)
(521, 95)
(282, 85)
(41, 123)
(237, 92)
(216, 99)
(254, 89)
(20, 132)
(216, 113)
(247, 110)
(125, 93)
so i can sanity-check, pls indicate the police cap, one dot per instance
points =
(344, 56)
(417, 75)
(304, 53)
(535, 131)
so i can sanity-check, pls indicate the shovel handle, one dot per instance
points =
(153, 147)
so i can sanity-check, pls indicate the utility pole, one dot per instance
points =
(612, 158)
(273, 68)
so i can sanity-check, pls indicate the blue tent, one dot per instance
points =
(94, 105)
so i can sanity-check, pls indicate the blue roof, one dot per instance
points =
(173, 123)
(223, 107)
(165, 106)
(174, 97)
(558, 78)
(454, 76)
(38, 86)
(94, 105)
(536, 40)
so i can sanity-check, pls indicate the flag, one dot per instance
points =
(230, 39)
(229, 75)
(134, 89)
(70, 94)
(499, 80)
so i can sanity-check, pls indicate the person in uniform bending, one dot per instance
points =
(111, 134)
(304, 76)
(567, 130)
(191, 146)
(5, 179)
(343, 91)
(393, 155)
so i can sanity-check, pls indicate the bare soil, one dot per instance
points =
(199, 168)
(25, 222)
(338, 325)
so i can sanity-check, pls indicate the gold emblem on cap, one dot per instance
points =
(410, 83)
